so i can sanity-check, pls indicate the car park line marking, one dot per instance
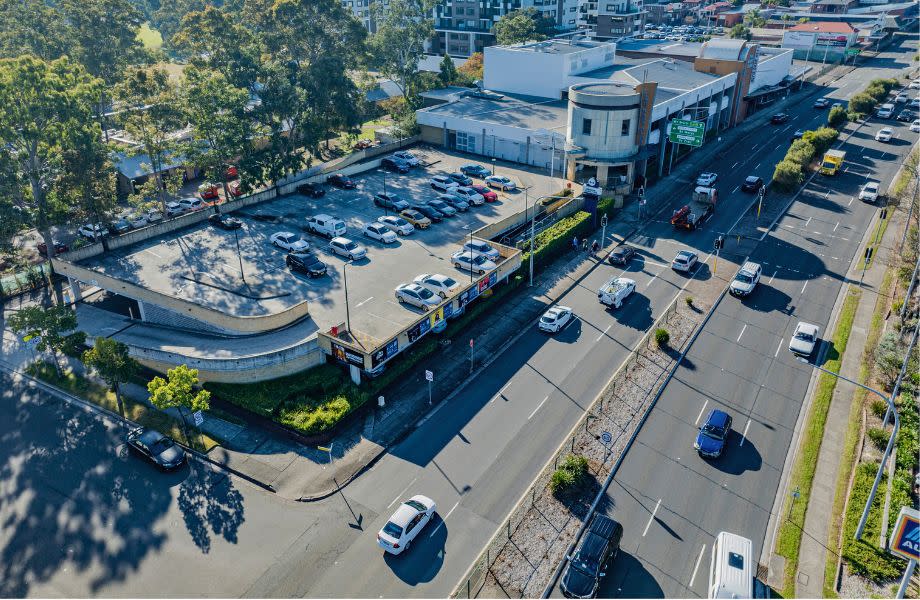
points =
(757, 167)
(384, 318)
(501, 392)
(539, 406)
(737, 187)
(850, 202)
(772, 276)
(601, 336)
(696, 567)
(837, 225)
(781, 340)
(742, 333)
(444, 518)
(651, 518)
(807, 222)
(649, 282)
(744, 435)
(364, 302)
(734, 165)
(803, 286)
(699, 416)
(400, 495)
(152, 252)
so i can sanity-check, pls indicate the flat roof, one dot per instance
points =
(669, 74)
(664, 47)
(556, 46)
(526, 112)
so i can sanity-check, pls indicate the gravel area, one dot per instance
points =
(854, 586)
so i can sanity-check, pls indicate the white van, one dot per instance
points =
(885, 111)
(326, 225)
(731, 572)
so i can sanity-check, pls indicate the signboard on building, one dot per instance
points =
(905, 539)
(835, 40)
(343, 354)
(799, 40)
(687, 132)
(385, 353)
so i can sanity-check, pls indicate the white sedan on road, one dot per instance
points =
(416, 295)
(884, 134)
(379, 232)
(615, 291)
(555, 319)
(685, 261)
(289, 241)
(405, 524)
(804, 339)
(869, 192)
(500, 182)
(706, 179)
(442, 285)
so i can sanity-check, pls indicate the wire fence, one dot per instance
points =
(24, 280)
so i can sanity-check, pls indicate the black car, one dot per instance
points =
(225, 221)
(397, 166)
(460, 178)
(432, 213)
(390, 201)
(478, 171)
(588, 564)
(905, 116)
(342, 182)
(305, 262)
(312, 190)
(156, 447)
(621, 255)
(779, 118)
(713, 435)
(752, 184)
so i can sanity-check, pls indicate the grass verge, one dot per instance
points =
(137, 412)
(149, 37)
(803, 470)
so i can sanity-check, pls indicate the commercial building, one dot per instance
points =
(611, 19)
(828, 41)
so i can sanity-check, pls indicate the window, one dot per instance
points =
(624, 129)
(586, 126)
(735, 560)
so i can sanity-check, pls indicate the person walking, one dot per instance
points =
(584, 244)
(595, 247)
(575, 243)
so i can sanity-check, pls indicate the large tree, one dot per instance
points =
(212, 39)
(54, 329)
(110, 359)
(31, 27)
(522, 25)
(403, 27)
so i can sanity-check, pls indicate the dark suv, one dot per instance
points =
(307, 263)
(395, 165)
(713, 435)
(752, 184)
(588, 564)
(312, 190)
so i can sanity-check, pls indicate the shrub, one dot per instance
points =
(862, 103)
(569, 475)
(837, 116)
(788, 175)
(823, 138)
(888, 357)
(879, 407)
(855, 116)
(689, 300)
(879, 437)
(802, 151)
(662, 337)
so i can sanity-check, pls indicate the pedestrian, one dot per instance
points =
(584, 245)
(595, 247)
(575, 243)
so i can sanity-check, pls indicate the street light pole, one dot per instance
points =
(347, 313)
(239, 254)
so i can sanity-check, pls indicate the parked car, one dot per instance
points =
(59, 247)
(869, 192)
(153, 215)
(289, 241)
(156, 448)
(306, 262)
(341, 181)
(460, 178)
(407, 157)
(616, 291)
(803, 339)
(174, 209)
(313, 190)
(379, 232)
(901, 98)
(416, 295)
(235, 188)
(119, 225)
(621, 255)
(500, 182)
(487, 194)
(137, 220)
(915, 126)
(555, 319)
(591, 559)
(326, 225)
(472, 261)
(474, 170)
(442, 207)
(779, 118)
(914, 104)
(914, 85)
(347, 248)
(208, 191)
(470, 195)
(416, 219)
(443, 183)
(455, 201)
(685, 261)
(884, 134)
(746, 279)
(190, 203)
(363, 144)
(433, 214)
(92, 231)
(713, 435)
(405, 524)
(752, 184)
(396, 224)
(706, 179)
(483, 248)
(395, 165)
(390, 202)
(442, 285)
(905, 116)
(225, 221)
(822, 103)
(231, 173)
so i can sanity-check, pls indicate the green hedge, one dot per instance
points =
(790, 172)
(556, 240)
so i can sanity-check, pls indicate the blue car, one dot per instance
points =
(713, 435)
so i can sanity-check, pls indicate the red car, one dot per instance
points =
(485, 192)
(231, 173)
(208, 191)
(58, 248)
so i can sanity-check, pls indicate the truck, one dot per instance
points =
(701, 206)
(832, 161)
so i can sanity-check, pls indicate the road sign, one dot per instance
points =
(687, 132)
(606, 438)
(852, 51)
(429, 376)
(199, 418)
(905, 539)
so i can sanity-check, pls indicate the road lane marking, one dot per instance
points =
(601, 336)
(649, 282)
(837, 225)
(803, 286)
(772, 276)
(777, 146)
(734, 165)
(651, 518)
(737, 187)
(807, 222)
(400, 495)
(742, 333)
(444, 518)
(698, 417)
(781, 340)
(755, 147)
(500, 393)
(850, 202)
(537, 408)
(364, 302)
(744, 435)
(757, 167)
(697, 566)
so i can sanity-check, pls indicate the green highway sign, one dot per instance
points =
(852, 51)
(687, 132)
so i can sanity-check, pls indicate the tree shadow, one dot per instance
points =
(210, 504)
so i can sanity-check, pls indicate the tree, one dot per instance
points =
(802, 20)
(110, 359)
(522, 25)
(44, 107)
(473, 66)
(740, 32)
(211, 39)
(837, 116)
(30, 27)
(448, 72)
(754, 19)
(178, 391)
(102, 35)
(54, 327)
(399, 43)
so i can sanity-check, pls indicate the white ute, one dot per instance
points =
(615, 291)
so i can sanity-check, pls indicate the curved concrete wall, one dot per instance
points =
(610, 108)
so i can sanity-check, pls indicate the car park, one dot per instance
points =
(706, 179)
(390, 202)
(208, 191)
(343, 246)
(500, 182)
(591, 559)
(312, 190)
(407, 157)
(779, 118)
(803, 339)
(884, 134)
(456, 202)
(685, 261)
(288, 241)
(395, 165)
(442, 207)
(621, 255)
(905, 116)
(405, 524)
(460, 178)
(822, 103)
(379, 232)
(555, 319)
(474, 170)
(472, 261)
(92, 231)
(915, 126)
(752, 184)
(59, 247)
(442, 285)
(713, 434)
(225, 221)
(433, 214)
(190, 203)
(326, 225)
(306, 262)
(487, 194)
(396, 224)
(615, 291)
(869, 191)
(746, 279)
(416, 219)
(443, 183)
(416, 295)
(156, 448)
(341, 181)
(483, 248)
(470, 195)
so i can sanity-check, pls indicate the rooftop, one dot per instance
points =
(825, 27)
(556, 46)
(526, 112)
(664, 47)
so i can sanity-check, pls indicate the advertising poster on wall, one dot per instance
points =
(385, 353)
(798, 40)
(345, 355)
(833, 40)
(436, 317)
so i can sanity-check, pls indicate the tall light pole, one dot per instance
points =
(347, 313)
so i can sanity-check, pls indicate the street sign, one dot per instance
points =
(905, 539)
(199, 418)
(429, 376)
(852, 51)
(687, 132)
(606, 438)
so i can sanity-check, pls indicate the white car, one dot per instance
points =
(153, 215)
(470, 195)
(745, 280)
(615, 291)
(379, 232)
(914, 85)
(884, 134)
(396, 224)
(192, 203)
(407, 157)
(706, 179)
(289, 241)
(137, 220)
(405, 524)
(416, 295)
(472, 261)
(442, 285)
(347, 248)
(915, 126)
(92, 231)
(915, 103)
(901, 98)
(443, 183)
(804, 339)
(555, 319)
(685, 261)
(500, 182)
(482, 248)
(869, 192)
(174, 209)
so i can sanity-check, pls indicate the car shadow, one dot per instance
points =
(767, 298)
(422, 561)
(635, 313)
(737, 457)
(627, 577)
(570, 333)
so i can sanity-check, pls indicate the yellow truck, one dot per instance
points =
(833, 159)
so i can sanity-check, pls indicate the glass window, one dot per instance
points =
(624, 130)
(586, 126)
